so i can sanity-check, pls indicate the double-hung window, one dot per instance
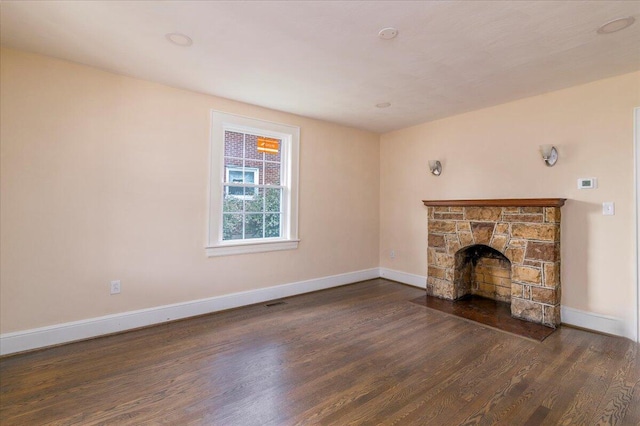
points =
(254, 185)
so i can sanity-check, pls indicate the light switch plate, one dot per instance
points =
(608, 208)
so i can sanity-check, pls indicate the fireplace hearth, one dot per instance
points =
(506, 249)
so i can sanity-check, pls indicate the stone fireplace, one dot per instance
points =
(506, 249)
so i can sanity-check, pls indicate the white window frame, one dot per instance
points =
(289, 157)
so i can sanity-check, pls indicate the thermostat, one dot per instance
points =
(587, 183)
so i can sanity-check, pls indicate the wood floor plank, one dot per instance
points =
(588, 396)
(355, 355)
(566, 397)
(631, 381)
(525, 406)
(615, 402)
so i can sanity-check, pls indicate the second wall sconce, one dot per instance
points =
(435, 167)
(549, 154)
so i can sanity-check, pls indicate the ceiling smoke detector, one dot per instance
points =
(179, 39)
(388, 33)
(616, 25)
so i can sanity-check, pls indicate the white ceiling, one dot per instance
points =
(324, 59)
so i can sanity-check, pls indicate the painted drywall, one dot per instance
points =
(493, 153)
(104, 177)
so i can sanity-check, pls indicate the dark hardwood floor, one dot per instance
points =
(359, 354)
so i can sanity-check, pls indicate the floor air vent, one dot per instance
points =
(268, 305)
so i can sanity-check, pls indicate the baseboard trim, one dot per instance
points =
(404, 277)
(42, 337)
(596, 322)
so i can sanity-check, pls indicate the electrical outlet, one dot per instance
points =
(392, 254)
(115, 287)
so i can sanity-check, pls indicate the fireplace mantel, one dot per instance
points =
(499, 202)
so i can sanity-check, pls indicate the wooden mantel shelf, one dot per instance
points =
(500, 202)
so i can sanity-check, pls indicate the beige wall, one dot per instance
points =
(493, 153)
(104, 177)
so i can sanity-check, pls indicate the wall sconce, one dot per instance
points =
(435, 167)
(549, 154)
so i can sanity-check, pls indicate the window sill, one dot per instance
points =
(251, 247)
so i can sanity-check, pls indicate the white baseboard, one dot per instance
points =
(404, 277)
(78, 330)
(596, 322)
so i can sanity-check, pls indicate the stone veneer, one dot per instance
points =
(525, 231)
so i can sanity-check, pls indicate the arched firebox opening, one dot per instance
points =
(482, 271)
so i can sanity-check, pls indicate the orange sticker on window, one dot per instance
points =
(268, 145)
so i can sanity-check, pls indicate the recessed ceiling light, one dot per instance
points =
(616, 25)
(387, 33)
(179, 39)
(383, 105)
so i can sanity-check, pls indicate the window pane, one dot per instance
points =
(233, 199)
(231, 226)
(239, 174)
(233, 143)
(272, 225)
(251, 148)
(254, 225)
(274, 197)
(250, 176)
(255, 169)
(272, 173)
(237, 191)
(273, 157)
(255, 203)
(235, 176)
(233, 170)
(235, 163)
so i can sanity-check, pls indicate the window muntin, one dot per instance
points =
(256, 191)
(251, 207)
